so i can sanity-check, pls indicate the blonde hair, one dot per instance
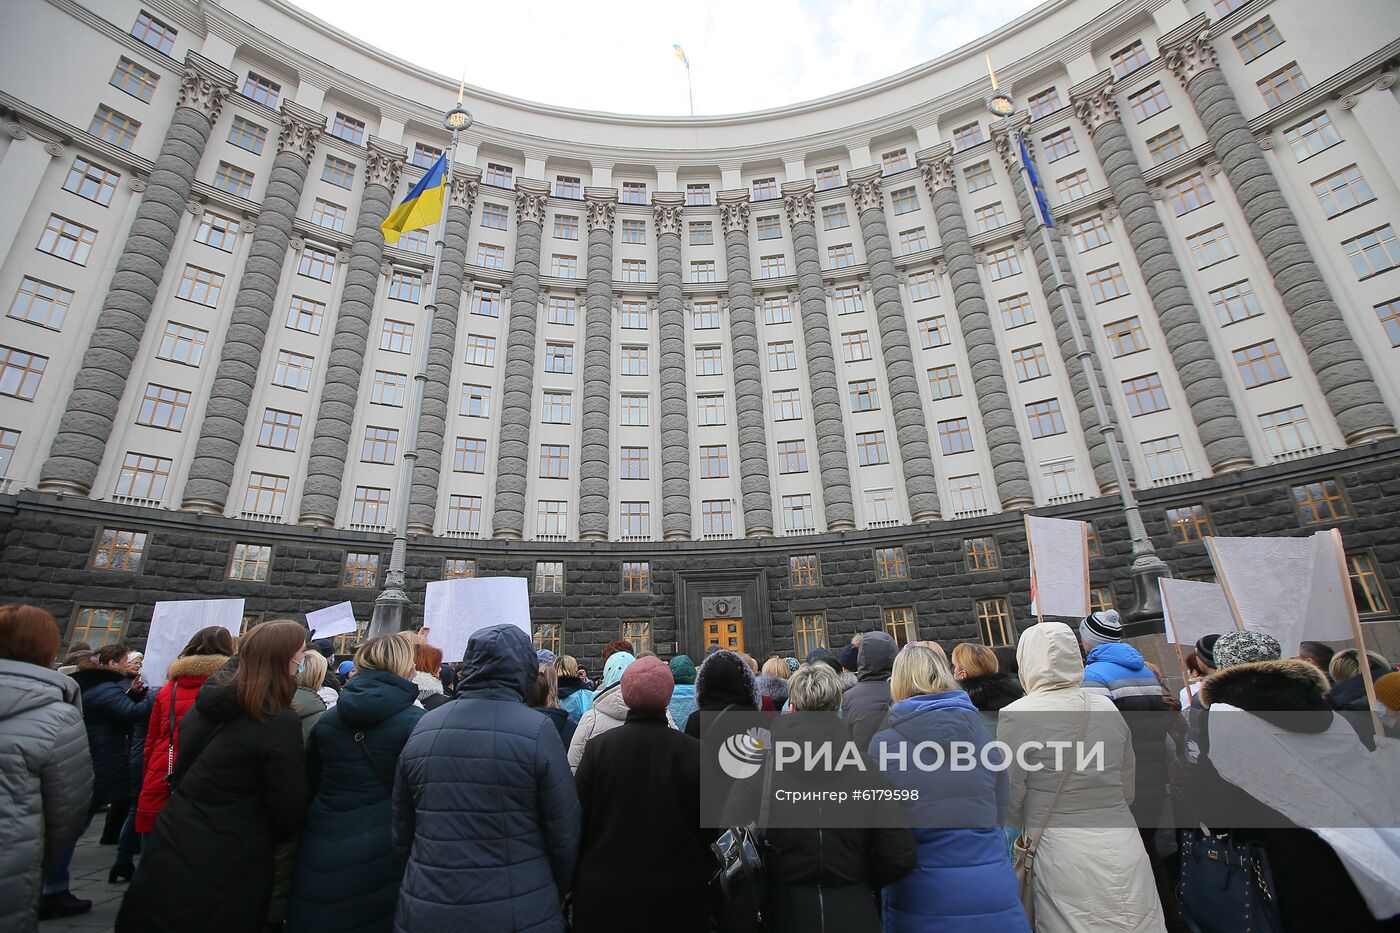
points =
(919, 670)
(776, 667)
(749, 660)
(566, 665)
(937, 649)
(1345, 665)
(814, 687)
(393, 653)
(976, 660)
(313, 674)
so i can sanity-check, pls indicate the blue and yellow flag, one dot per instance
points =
(423, 205)
(680, 53)
(1037, 192)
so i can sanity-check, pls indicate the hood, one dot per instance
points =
(371, 697)
(617, 665)
(875, 659)
(932, 702)
(90, 677)
(218, 702)
(1123, 655)
(500, 657)
(426, 682)
(725, 679)
(682, 669)
(1291, 686)
(775, 688)
(608, 701)
(24, 687)
(990, 692)
(199, 666)
(1048, 658)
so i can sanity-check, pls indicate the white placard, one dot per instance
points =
(1059, 555)
(332, 621)
(1329, 616)
(174, 623)
(1194, 610)
(455, 609)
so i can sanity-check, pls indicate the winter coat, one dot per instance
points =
(110, 715)
(608, 712)
(347, 873)
(575, 697)
(329, 696)
(644, 853)
(963, 882)
(47, 776)
(682, 704)
(240, 787)
(486, 779)
(772, 688)
(1118, 671)
(562, 722)
(724, 694)
(309, 707)
(1091, 863)
(866, 704)
(991, 692)
(184, 678)
(428, 686)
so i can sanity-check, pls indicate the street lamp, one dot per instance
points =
(391, 607)
(1146, 616)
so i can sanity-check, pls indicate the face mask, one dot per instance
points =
(301, 665)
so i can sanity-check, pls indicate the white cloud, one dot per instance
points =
(615, 55)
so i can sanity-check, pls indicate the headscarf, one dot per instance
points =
(618, 662)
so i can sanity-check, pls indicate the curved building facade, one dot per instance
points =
(783, 375)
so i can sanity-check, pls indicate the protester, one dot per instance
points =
(723, 683)
(979, 675)
(1200, 663)
(306, 701)
(1348, 693)
(345, 670)
(849, 657)
(347, 873)
(1091, 870)
(866, 704)
(46, 769)
(76, 652)
(963, 878)
(1317, 653)
(1388, 693)
(427, 663)
(1006, 659)
(644, 855)
(683, 696)
(828, 657)
(772, 684)
(609, 709)
(544, 696)
(614, 646)
(485, 804)
(239, 787)
(575, 697)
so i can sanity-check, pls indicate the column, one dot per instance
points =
(1378, 112)
(1346, 380)
(911, 428)
(513, 443)
(975, 321)
(21, 174)
(675, 400)
(754, 484)
(86, 424)
(226, 412)
(1217, 423)
(835, 469)
(442, 350)
(340, 390)
(594, 448)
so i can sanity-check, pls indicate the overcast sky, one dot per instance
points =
(616, 55)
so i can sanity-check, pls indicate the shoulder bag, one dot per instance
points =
(170, 748)
(1226, 885)
(737, 888)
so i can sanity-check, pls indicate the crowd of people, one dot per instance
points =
(263, 787)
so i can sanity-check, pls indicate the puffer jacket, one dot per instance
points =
(682, 704)
(309, 707)
(866, 704)
(608, 712)
(1118, 671)
(47, 776)
(486, 781)
(184, 678)
(111, 715)
(575, 697)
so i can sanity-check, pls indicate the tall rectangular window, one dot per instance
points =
(1389, 314)
(855, 346)
(266, 494)
(1366, 582)
(554, 461)
(469, 455)
(717, 518)
(709, 361)
(494, 216)
(943, 382)
(871, 448)
(1210, 246)
(20, 372)
(279, 430)
(155, 33)
(1030, 363)
(1045, 418)
(787, 405)
(1016, 311)
(705, 315)
(1235, 302)
(782, 356)
(182, 344)
(1288, 430)
(143, 476)
(879, 507)
(67, 240)
(864, 395)
(464, 514)
(216, 231)
(163, 407)
(634, 521)
(558, 357)
(994, 622)
(797, 513)
(966, 494)
(709, 410)
(360, 571)
(91, 181)
(370, 506)
(396, 337)
(380, 445)
(702, 232)
(635, 411)
(933, 332)
(1144, 394)
(476, 401)
(1060, 478)
(634, 463)
(955, 436)
(388, 389)
(792, 456)
(981, 553)
(557, 408)
(1125, 336)
(561, 309)
(714, 461)
(891, 564)
(636, 578)
(552, 517)
(549, 576)
(1260, 364)
(900, 624)
(41, 303)
(481, 350)
(316, 263)
(565, 227)
(1165, 457)
(804, 570)
(634, 361)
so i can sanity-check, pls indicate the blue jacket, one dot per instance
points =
(682, 704)
(485, 803)
(963, 882)
(575, 698)
(111, 716)
(1118, 671)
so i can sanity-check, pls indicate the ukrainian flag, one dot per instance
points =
(423, 205)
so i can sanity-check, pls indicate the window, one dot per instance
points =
(797, 513)
(782, 356)
(1090, 233)
(1165, 457)
(158, 36)
(561, 309)
(1125, 61)
(1235, 302)
(989, 217)
(380, 445)
(701, 270)
(1107, 284)
(370, 505)
(697, 195)
(770, 267)
(1283, 85)
(1125, 336)
(871, 448)
(67, 240)
(464, 514)
(1341, 192)
(566, 227)
(20, 372)
(338, 172)
(634, 315)
(1312, 136)
(280, 430)
(262, 90)
(490, 256)
(1016, 311)
(1225, 7)
(777, 310)
(709, 410)
(91, 181)
(1149, 101)
(360, 571)
(458, 568)
(1188, 523)
(1058, 145)
(554, 461)
(234, 180)
(709, 361)
(250, 562)
(396, 337)
(163, 407)
(634, 231)
(864, 397)
(634, 192)
(498, 176)
(1260, 364)
(559, 358)
(1287, 430)
(1030, 363)
(966, 494)
(765, 189)
(292, 370)
(216, 231)
(635, 410)
(900, 624)
(557, 408)
(1166, 145)
(143, 476)
(912, 241)
(1060, 479)
(891, 564)
(1073, 186)
(1144, 394)
(922, 285)
(943, 382)
(328, 214)
(1366, 583)
(634, 463)
(1320, 502)
(895, 161)
(1003, 263)
(1043, 104)
(981, 553)
(834, 217)
(879, 507)
(1045, 418)
(494, 216)
(116, 128)
(469, 455)
(182, 344)
(119, 549)
(568, 186)
(476, 401)
(978, 176)
(847, 300)
(1374, 252)
(200, 286)
(840, 256)
(804, 570)
(548, 636)
(552, 517)
(792, 456)
(855, 346)
(634, 361)
(933, 332)
(566, 267)
(1100, 598)
(828, 178)
(424, 155)
(994, 622)
(705, 316)
(955, 436)
(1210, 246)
(41, 303)
(714, 462)
(1257, 39)
(717, 518)
(905, 200)
(481, 350)
(787, 405)
(636, 574)
(702, 232)
(98, 626)
(1389, 314)
(389, 389)
(266, 494)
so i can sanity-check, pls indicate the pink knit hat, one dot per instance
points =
(647, 685)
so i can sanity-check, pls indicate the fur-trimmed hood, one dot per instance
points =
(1265, 687)
(196, 665)
(990, 692)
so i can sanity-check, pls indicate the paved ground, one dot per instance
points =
(90, 866)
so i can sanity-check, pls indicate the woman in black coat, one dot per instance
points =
(240, 787)
(112, 708)
(978, 672)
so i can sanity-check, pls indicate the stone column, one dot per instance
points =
(754, 484)
(1346, 381)
(91, 410)
(22, 171)
(975, 321)
(799, 204)
(330, 441)
(442, 350)
(594, 479)
(675, 399)
(517, 396)
(906, 398)
(226, 412)
(1079, 383)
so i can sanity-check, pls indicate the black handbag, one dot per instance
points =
(1226, 886)
(737, 888)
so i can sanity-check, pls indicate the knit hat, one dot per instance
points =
(849, 657)
(683, 669)
(617, 662)
(792, 663)
(1388, 691)
(1205, 649)
(647, 685)
(1235, 648)
(1101, 628)
(546, 656)
(345, 667)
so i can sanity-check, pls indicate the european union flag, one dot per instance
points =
(1037, 191)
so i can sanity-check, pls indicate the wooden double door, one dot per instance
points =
(727, 633)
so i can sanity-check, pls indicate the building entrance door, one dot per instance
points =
(727, 633)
